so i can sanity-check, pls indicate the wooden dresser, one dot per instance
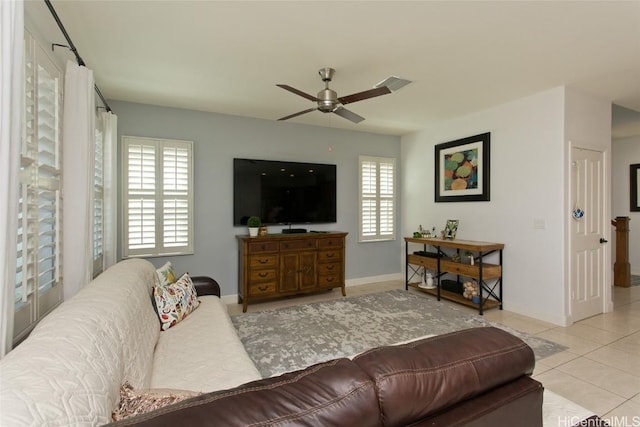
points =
(280, 265)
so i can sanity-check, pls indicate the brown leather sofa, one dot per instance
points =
(474, 377)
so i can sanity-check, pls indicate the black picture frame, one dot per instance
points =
(462, 169)
(634, 187)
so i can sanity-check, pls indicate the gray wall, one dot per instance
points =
(218, 139)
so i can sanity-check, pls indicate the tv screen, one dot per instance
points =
(283, 192)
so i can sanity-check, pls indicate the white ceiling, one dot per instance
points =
(228, 56)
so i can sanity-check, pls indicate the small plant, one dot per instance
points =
(254, 221)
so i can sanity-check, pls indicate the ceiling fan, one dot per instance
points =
(328, 100)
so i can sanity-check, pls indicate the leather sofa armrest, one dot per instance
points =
(206, 286)
(420, 378)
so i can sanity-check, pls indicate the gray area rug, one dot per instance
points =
(635, 280)
(292, 338)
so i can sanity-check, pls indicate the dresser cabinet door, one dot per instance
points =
(297, 271)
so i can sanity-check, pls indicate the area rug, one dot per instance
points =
(635, 280)
(292, 338)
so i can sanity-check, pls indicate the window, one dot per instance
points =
(377, 198)
(158, 197)
(98, 201)
(38, 287)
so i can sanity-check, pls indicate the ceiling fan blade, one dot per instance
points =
(349, 115)
(298, 114)
(298, 92)
(371, 93)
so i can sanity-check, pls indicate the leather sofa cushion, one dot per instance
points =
(335, 393)
(418, 379)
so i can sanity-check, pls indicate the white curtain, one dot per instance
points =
(78, 146)
(11, 110)
(110, 142)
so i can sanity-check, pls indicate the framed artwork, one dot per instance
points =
(634, 199)
(462, 169)
(451, 229)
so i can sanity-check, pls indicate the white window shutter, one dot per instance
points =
(377, 198)
(158, 206)
(38, 285)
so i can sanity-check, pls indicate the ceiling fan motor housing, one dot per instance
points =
(327, 100)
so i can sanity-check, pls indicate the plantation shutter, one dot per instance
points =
(158, 205)
(38, 265)
(98, 201)
(176, 196)
(377, 198)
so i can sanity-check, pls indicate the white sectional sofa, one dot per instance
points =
(70, 370)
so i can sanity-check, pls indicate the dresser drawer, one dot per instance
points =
(330, 243)
(259, 247)
(330, 268)
(330, 256)
(258, 289)
(260, 275)
(292, 245)
(327, 280)
(257, 261)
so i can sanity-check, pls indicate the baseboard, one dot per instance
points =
(373, 279)
(229, 299)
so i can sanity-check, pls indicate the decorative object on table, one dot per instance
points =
(262, 231)
(456, 257)
(254, 223)
(576, 212)
(469, 256)
(427, 281)
(417, 235)
(451, 229)
(462, 169)
(634, 185)
(471, 290)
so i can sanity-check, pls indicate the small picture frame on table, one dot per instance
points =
(451, 229)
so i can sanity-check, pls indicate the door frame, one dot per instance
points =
(606, 226)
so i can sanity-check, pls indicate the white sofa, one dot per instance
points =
(70, 369)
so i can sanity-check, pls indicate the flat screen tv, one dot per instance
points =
(283, 192)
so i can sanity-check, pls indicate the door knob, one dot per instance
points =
(603, 240)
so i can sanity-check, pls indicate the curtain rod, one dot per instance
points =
(73, 49)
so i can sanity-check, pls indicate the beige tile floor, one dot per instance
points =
(600, 370)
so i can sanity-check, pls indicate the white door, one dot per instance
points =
(588, 244)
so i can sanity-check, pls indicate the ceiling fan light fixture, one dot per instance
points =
(393, 83)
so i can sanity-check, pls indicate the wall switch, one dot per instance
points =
(539, 224)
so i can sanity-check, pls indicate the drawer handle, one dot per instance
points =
(263, 261)
(329, 279)
(263, 288)
(330, 267)
(263, 274)
(264, 247)
(330, 255)
(286, 245)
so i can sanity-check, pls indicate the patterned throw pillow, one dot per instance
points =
(175, 301)
(166, 274)
(135, 402)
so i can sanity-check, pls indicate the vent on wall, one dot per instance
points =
(393, 83)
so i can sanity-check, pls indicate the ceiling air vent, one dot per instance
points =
(393, 83)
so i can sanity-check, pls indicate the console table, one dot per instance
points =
(280, 265)
(488, 276)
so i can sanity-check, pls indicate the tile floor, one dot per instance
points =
(600, 370)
